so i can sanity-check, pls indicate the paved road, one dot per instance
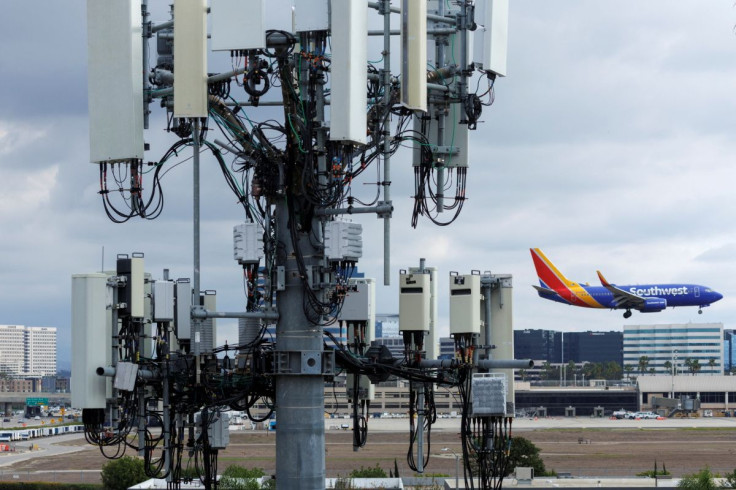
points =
(48, 446)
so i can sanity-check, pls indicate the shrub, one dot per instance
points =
(702, 480)
(238, 478)
(374, 472)
(123, 473)
(730, 479)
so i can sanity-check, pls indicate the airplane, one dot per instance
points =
(646, 298)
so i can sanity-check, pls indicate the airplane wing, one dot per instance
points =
(545, 291)
(621, 298)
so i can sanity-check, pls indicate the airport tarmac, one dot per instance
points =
(400, 424)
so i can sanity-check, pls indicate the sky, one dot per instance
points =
(610, 146)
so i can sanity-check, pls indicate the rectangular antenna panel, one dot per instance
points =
(137, 289)
(91, 340)
(238, 24)
(465, 304)
(163, 301)
(190, 58)
(115, 80)
(183, 318)
(311, 15)
(414, 54)
(209, 325)
(414, 302)
(491, 37)
(348, 72)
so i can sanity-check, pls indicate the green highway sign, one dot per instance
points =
(35, 402)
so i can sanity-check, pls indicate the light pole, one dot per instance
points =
(457, 464)
(674, 371)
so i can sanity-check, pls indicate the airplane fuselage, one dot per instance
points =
(601, 297)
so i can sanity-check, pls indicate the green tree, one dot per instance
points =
(525, 453)
(712, 363)
(689, 365)
(696, 366)
(238, 478)
(549, 372)
(123, 473)
(668, 367)
(702, 480)
(612, 370)
(628, 369)
(643, 364)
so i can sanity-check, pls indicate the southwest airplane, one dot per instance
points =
(646, 298)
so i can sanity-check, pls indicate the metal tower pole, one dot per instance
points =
(300, 434)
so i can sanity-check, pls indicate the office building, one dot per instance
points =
(729, 350)
(27, 351)
(538, 345)
(598, 347)
(694, 348)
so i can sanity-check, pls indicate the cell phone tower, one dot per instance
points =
(295, 176)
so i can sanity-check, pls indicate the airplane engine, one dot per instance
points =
(652, 305)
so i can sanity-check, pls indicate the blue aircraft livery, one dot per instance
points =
(646, 298)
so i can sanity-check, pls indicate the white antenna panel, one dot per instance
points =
(491, 37)
(414, 54)
(91, 340)
(238, 24)
(312, 15)
(115, 80)
(348, 72)
(190, 58)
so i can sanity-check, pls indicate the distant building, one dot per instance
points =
(538, 345)
(394, 344)
(729, 350)
(15, 385)
(387, 326)
(447, 348)
(27, 351)
(675, 345)
(600, 347)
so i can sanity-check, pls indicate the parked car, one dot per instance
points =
(621, 414)
(645, 415)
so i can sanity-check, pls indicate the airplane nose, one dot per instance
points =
(717, 296)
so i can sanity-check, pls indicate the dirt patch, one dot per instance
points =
(586, 452)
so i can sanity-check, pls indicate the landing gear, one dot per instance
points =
(700, 312)
(627, 313)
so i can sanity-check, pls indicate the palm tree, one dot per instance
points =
(628, 369)
(689, 365)
(668, 367)
(712, 363)
(696, 366)
(643, 364)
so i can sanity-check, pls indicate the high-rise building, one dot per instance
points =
(664, 348)
(601, 347)
(729, 350)
(27, 351)
(538, 345)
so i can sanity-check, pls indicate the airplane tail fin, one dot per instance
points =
(549, 276)
(604, 282)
